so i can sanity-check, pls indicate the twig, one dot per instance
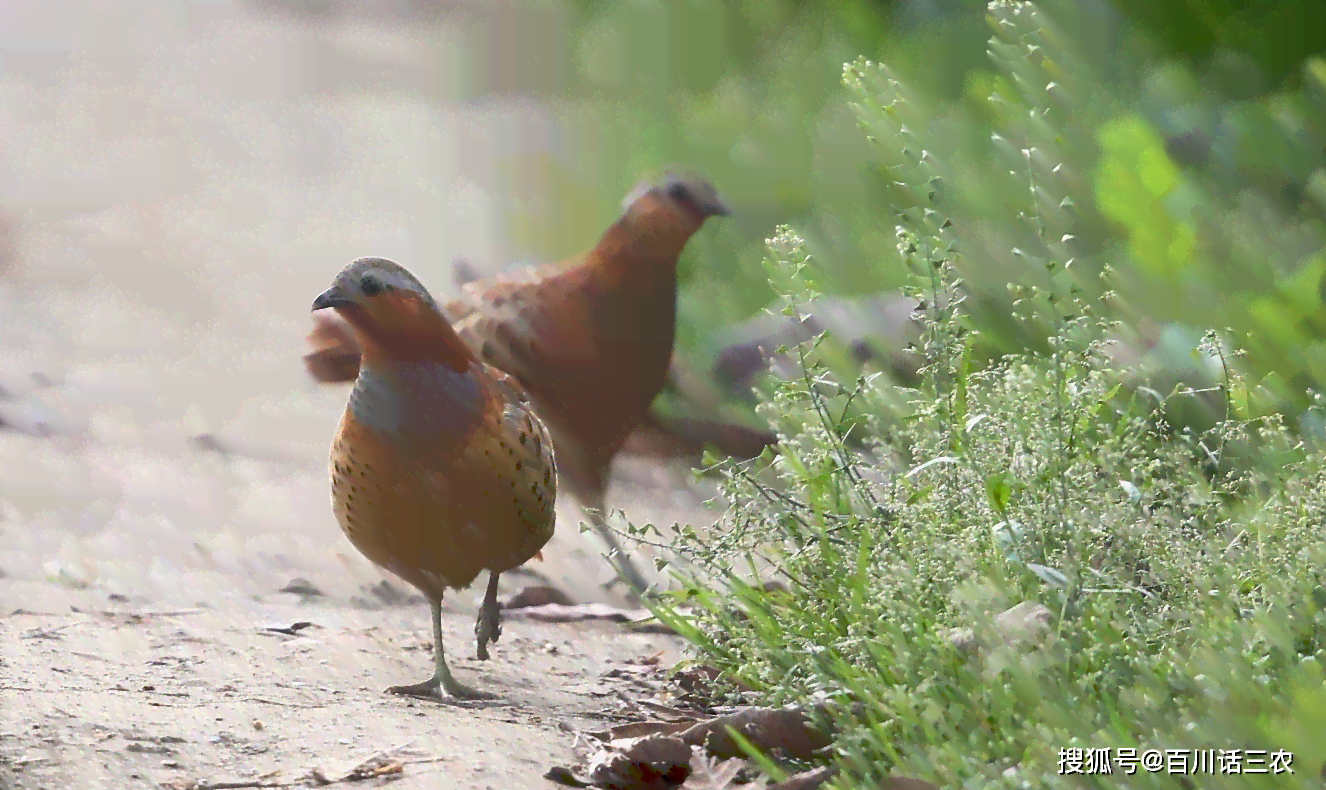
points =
(278, 702)
(610, 715)
(364, 763)
(654, 706)
(94, 657)
(628, 702)
(46, 633)
(363, 769)
(259, 781)
(142, 615)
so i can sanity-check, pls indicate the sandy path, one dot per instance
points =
(182, 178)
(104, 700)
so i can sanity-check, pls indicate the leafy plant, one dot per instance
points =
(1176, 579)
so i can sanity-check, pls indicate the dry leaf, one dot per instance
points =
(654, 762)
(537, 595)
(806, 780)
(675, 713)
(639, 729)
(701, 679)
(706, 774)
(788, 729)
(651, 660)
(660, 755)
(559, 613)
(565, 776)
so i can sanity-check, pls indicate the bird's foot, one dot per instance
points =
(488, 628)
(443, 691)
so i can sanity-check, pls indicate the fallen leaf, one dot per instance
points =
(806, 780)
(537, 595)
(654, 762)
(675, 713)
(701, 679)
(639, 729)
(649, 754)
(788, 729)
(289, 630)
(300, 586)
(565, 776)
(576, 613)
(706, 774)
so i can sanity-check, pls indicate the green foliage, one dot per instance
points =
(1272, 34)
(1178, 569)
(1189, 137)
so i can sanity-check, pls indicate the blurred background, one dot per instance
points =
(179, 179)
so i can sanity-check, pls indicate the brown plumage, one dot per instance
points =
(589, 337)
(440, 468)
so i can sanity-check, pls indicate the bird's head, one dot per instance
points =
(682, 193)
(390, 311)
(665, 212)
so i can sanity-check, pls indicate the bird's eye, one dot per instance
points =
(371, 286)
(680, 193)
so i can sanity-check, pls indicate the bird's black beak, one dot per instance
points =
(331, 297)
(720, 209)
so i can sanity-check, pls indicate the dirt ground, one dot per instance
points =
(107, 699)
(179, 180)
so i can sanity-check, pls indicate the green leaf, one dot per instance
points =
(958, 440)
(943, 459)
(1084, 419)
(919, 494)
(998, 490)
(1050, 576)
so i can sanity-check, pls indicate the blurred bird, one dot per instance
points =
(440, 467)
(589, 337)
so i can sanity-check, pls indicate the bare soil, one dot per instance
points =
(142, 697)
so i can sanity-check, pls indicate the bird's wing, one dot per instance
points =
(517, 443)
(540, 322)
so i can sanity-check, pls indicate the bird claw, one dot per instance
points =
(431, 691)
(487, 629)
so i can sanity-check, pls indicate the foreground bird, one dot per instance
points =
(439, 468)
(589, 337)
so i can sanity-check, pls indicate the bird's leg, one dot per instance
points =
(441, 673)
(626, 570)
(488, 628)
